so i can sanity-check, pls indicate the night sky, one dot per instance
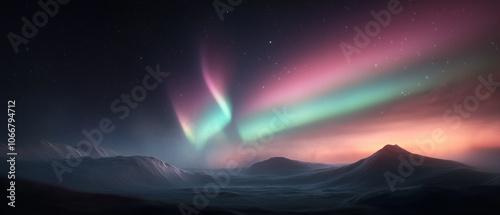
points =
(272, 75)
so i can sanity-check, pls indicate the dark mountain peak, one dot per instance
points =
(392, 149)
(383, 158)
(281, 165)
(278, 159)
(278, 162)
(389, 146)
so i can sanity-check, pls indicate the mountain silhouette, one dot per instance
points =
(277, 182)
(390, 163)
(393, 162)
(45, 150)
(392, 149)
(281, 165)
(110, 174)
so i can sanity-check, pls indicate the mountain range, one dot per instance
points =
(390, 174)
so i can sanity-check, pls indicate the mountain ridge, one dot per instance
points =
(282, 165)
(137, 172)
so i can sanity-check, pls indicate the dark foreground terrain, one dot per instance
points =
(35, 198)
(143, 185)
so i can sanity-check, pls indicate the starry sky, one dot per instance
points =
(319, 81)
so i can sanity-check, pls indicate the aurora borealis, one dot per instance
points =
(394, 91)
(201, 124)
(251, 107)
(271, 79)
